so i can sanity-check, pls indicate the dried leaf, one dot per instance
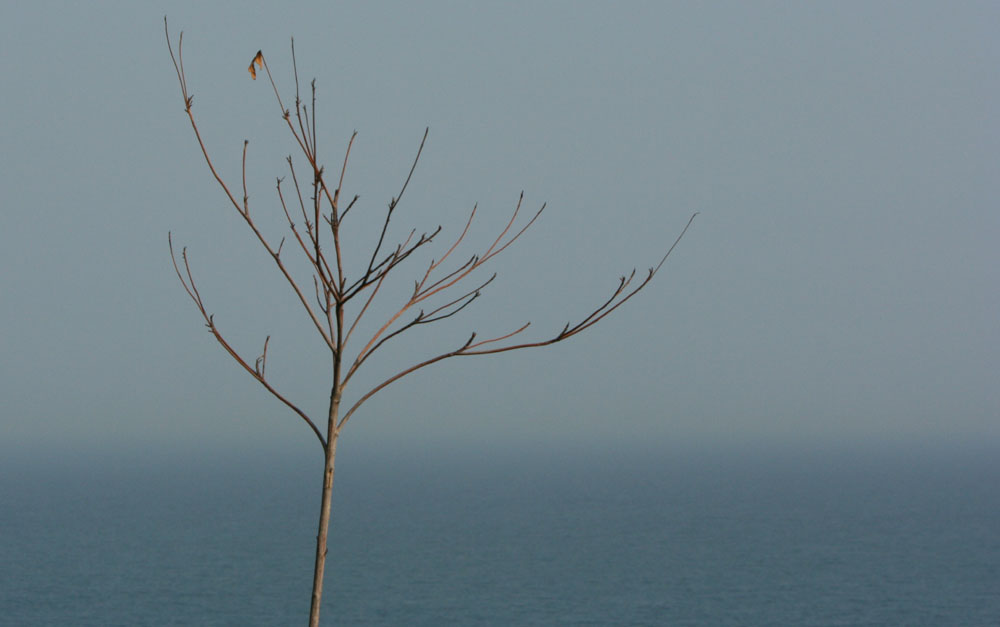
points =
(259, 60)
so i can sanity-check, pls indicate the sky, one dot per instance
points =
(840, 283)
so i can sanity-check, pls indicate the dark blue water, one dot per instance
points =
(585, 538)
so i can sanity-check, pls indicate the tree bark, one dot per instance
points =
(324, 526)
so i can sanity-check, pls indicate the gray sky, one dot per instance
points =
(841, 282)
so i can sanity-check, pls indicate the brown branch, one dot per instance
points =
(470, 295)
(243, 172)
(364, 308)
(413, 167)
(313, 234)
(394, 202)
(322, 267)
(395, 258)
(489, 253)
(602, 311)
(179, 64)
(375, 390)
(421, 293)
(346, 209)
(389, 262)
(318, 265)
(291, 225)
(340, 183)
(315, 146)
(462, 301)
(448, 252)
(256, 371)
(261, 364)
(467, 349)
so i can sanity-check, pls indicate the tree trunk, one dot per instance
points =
(324, 526)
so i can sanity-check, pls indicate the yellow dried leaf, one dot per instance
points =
(259, 60)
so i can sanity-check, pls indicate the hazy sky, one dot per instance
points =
(841, 283)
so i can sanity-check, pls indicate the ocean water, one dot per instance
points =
(521, 538)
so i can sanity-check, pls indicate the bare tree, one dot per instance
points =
(315, 213)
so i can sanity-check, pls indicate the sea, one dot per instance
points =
(539, 535)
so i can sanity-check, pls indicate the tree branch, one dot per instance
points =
(470, 347)
(256, 371)
(179, 64)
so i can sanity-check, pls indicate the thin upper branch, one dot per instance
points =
(471, 347)
(242, 208)
(435, 315)
(426, 288)
(392, 205)
(257, 371)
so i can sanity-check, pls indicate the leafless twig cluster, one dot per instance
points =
(322, 218)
